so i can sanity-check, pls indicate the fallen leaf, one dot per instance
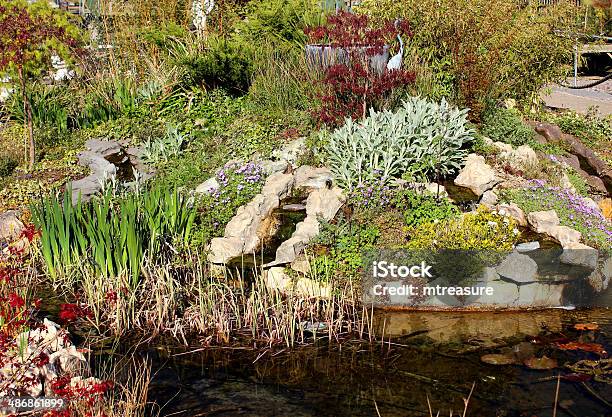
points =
(576, 377)
(498, 359)
(606, 208)
(586, 326)
(540, 364)
(586, 347)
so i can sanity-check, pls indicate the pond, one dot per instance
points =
(425, 356)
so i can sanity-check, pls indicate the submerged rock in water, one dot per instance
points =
(527, 246)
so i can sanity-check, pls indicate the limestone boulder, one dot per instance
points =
(10, 226)
(519, 268)
(477, 175)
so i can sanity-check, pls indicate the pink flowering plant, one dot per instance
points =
(573, 210)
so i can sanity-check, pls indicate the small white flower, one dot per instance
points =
(492, 223)
(515, 231)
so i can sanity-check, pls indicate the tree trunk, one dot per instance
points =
(27, 116)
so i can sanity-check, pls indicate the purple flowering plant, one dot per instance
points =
(238, 184)
(573, 210)
(372, 194)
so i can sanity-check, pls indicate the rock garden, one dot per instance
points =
(194, 197)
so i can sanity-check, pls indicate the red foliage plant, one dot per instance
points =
(352, 84)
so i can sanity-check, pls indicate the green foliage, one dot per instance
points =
(162, 149)
(282, 85)
(506, 125)
(480, 230)
(279, 22)
(7, 165)
(579, 183)
(423, 207)
(225, 64)
(114, 232)
(162, 36)
(590, 129)
(345, 243)
(420, 139)
(482, 51)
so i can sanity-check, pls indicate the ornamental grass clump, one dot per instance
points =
(573, 210)
(421, 139)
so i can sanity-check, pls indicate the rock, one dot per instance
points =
(271, 167)
(476, 175)
(10, 226)
(294, 207)
(277, 279)
(504, 294)
(597, 281)
(527, 247)
(543, 221)
(518, 268)
(522, 157)
(208, 186)
(85, 188)
(312, 289)
(588, 160)
(606, 268)
(564, 235)
(292, 151)
(301, 265)
(502, 147)
(514, 211)
(292, 247)
(580, 255)
(431, 187)
(324, 202)
(313, 178)
(489, 198)
(566, 183)
(540, 295)
(97, 164)
(606, 208)
(222, 249)
(279, 185)
(105, 148)
(592, 204)
(552, 133)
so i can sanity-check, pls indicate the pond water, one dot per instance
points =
(425, 356)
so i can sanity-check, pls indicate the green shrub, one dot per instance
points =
(506, 125)
(423, 207)
(225, 64)
(114, 232)
(345, 244)
(480, 230)
(421, 138)
(7, 165)
(485, 50)
(589, 128)
(279, 22)
(162, 36)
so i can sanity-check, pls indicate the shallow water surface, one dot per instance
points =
(416, 357)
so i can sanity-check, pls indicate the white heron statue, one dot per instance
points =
(395, 62)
